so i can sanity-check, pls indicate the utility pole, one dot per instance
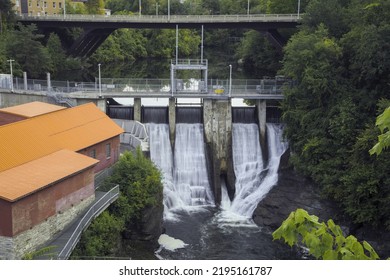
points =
(64, 8)
(100, 82)
(299, 7)
(230, 81)
(12, 76)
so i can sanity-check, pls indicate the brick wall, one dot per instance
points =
(99, 151)
(16, 247)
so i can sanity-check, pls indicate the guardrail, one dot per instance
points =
(164, 18)
(135, 134)
(93, 212)
(162, 87)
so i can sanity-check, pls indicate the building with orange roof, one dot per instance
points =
(47, 167)
(25, 111)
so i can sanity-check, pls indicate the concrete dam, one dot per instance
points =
(215, 124)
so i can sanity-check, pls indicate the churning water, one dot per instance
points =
(195, 228)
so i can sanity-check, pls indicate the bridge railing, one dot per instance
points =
(163, 18)
(93, 211)
(154, 86)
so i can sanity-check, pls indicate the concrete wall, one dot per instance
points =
(217, 120)
(262, 120)
(172, 120)
(8, 99)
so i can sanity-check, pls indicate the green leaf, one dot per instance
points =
(330, 255)
(300, 216)
(372, 254)
(327, 241)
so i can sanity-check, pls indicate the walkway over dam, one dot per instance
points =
(98, 27)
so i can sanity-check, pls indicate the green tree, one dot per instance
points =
(57, 54)
(324, 240)
(162, 43)
(102, 237)
(27, 50)
(95, 7)
(258, 55)
(383, 123)
(122, 45)
(140, 188)
(341, 74)
(6, 14)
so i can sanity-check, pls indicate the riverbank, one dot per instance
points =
(294, 191)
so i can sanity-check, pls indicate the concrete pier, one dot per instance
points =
(261, 106)
(172, 120)
(137, 109)
(217, 119)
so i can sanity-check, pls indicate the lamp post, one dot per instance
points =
(12, 76)
(157, 9)
(230, 81)
(299, 7)
(64, 8)
(100, 82)
(169, 10)
(248, 7)
(139, 7)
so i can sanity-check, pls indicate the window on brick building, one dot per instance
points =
(108, 150)
(54, 5)
(93, 153)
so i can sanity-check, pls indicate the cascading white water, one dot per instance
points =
(190, 172)
(185, 176)
(253, 180)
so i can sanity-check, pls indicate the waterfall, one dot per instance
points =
(190, 173)
(185, 177)
(253, 179)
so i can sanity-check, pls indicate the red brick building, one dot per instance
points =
(48, 160)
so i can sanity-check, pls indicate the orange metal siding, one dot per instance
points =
(25, 179)
(32, 109)
(75, 129)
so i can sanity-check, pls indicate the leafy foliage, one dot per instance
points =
(383, 123)
(140, 188)
(27, 50)
(340, 64)
(324, 240)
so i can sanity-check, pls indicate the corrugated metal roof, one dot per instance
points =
(30, 177)
(32, 109)
(74, 129)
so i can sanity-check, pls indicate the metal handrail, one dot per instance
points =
(84, 222)
(164, 18)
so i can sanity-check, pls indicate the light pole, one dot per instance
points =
(64, 8)
(12, 76)
(169, 10)
(248, 7)
(100, 82)
(139, 7)
(156, 9)
(299, 7)
(230, 81)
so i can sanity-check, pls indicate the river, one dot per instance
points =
(195, 227)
